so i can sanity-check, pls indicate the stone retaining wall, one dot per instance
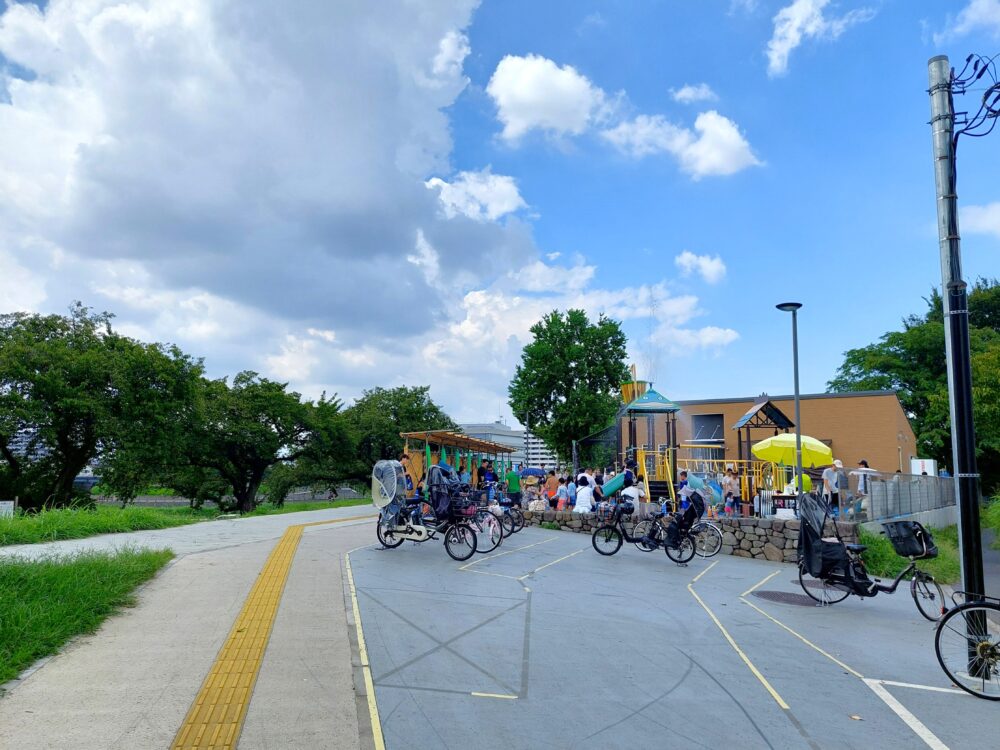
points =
(762, 538)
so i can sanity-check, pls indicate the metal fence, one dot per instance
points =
(892, 495)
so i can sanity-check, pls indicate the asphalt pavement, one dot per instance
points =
(546, 644)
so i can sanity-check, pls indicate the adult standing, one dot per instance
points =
(404, 459)
(831, 485)
(514, 485)
(551, 487)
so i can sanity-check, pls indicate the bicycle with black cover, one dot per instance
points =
(837, 570)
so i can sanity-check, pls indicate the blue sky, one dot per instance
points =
(840, 216)
(347, 195)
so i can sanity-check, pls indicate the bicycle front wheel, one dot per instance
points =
(385, 530)
(967, 645)
(683, 552)
(606, 539)
(928, 596)
(707, 539)
(460, 541)
(820, 591)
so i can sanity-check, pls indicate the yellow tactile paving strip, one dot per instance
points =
(216, 716)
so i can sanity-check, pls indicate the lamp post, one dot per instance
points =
(793, 308)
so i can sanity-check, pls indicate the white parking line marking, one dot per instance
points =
(564, 557)
(495, 695)
(918, 727)
(954, 691)
(508, 552)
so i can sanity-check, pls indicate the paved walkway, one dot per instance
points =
(130, 685)
(198, 537)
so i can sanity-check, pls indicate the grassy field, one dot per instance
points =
(883, 561)
(991, 519)
(68, 523)
(45, 603)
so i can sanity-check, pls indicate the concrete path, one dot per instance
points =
(991, 564)
(198, 537)
(129, 686)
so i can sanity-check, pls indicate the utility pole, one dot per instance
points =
(956, 326)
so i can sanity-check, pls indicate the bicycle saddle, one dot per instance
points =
(856, 547)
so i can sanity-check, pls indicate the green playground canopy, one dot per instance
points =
(652, 402)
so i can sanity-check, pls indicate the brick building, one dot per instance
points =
(865, 424)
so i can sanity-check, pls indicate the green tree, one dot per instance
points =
(912, 362)
(243, 430)
(79, 392)
(378, 417)
(567, 384)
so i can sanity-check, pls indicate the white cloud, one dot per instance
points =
(452, 51)
(714, 148)
(977, 15)
(251, 185)
(981, 219)
(482, 196)
(689, 94)
(709, 267)
(327, 336)
(533, 93)
(802, 20)
(686, 340)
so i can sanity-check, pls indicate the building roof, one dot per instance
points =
(450, 439)
(652, 402)
(789, 397)
(766, 414)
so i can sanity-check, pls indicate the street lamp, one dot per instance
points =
(793, 308)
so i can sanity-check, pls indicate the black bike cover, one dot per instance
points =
(820, 558)
(440, 482)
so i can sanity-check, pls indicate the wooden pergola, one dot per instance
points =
(460, 445)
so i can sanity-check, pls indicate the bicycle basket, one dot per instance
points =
(910, 539)
(463, 508)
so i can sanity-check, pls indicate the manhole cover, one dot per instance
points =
(784, 597)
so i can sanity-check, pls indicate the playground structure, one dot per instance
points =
(428, 447)
(645, 430)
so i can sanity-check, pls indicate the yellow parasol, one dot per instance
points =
(780, 449)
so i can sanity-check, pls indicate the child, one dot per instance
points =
(562, 495)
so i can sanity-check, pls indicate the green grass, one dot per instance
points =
(882, 560)
(550, 525)
(269, 510)
(990, 518)
(70, 523)
(45, 603)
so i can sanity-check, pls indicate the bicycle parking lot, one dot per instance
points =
(544, 643)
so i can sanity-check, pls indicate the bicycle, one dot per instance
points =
(511, 516)
(967, 645)
(607, 539)
(708, 536)
(841, 571)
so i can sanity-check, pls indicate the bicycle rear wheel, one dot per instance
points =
(641, 532)
(460, 541)
(822, 592)
(385, 530)
(967, 645)
(507, 522)
(489, 531)
(606, 539)
(928, 596)
(708, 539)
(518, 515)
(683, 552)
